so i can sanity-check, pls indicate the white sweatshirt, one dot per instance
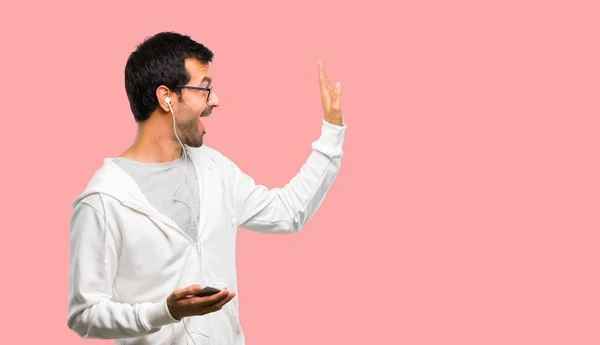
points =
(126, 258)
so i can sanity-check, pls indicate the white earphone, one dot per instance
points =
(168, 101)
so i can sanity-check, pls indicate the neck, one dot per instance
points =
(154, 142)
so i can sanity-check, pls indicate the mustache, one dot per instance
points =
(206, 112)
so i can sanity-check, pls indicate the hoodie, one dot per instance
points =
(126, 257)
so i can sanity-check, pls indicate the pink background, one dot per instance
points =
(467, 207)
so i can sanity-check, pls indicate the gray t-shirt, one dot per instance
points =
(168, 190)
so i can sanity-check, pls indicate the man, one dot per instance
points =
(158, 223)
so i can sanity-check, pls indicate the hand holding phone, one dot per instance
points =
(195, 300)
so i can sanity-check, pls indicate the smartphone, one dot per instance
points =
(207, 291)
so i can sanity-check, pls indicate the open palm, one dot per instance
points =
(331, 98)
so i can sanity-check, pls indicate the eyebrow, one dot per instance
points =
(206, 79)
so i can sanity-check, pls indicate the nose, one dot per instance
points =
(214, 100)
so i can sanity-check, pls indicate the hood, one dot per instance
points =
(110, 180)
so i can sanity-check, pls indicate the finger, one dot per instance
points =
(329, 88)
(327, 83)
(204, 301)
(184, 292)
(219, 305)
(324, 84)
(321, 70)
(337, 97)
(225, 300)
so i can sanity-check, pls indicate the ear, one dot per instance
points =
(163, 92)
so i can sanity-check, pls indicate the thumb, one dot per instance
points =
(336, 97)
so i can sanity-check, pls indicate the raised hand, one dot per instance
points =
(331, 98)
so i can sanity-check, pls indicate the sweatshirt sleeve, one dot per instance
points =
(92, 269)
(288, 209)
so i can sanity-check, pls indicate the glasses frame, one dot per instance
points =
(207, 89)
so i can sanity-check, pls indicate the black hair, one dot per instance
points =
(159, 60)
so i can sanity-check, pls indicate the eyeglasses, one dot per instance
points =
(208, 89)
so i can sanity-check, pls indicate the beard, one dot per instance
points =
(191, 128)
